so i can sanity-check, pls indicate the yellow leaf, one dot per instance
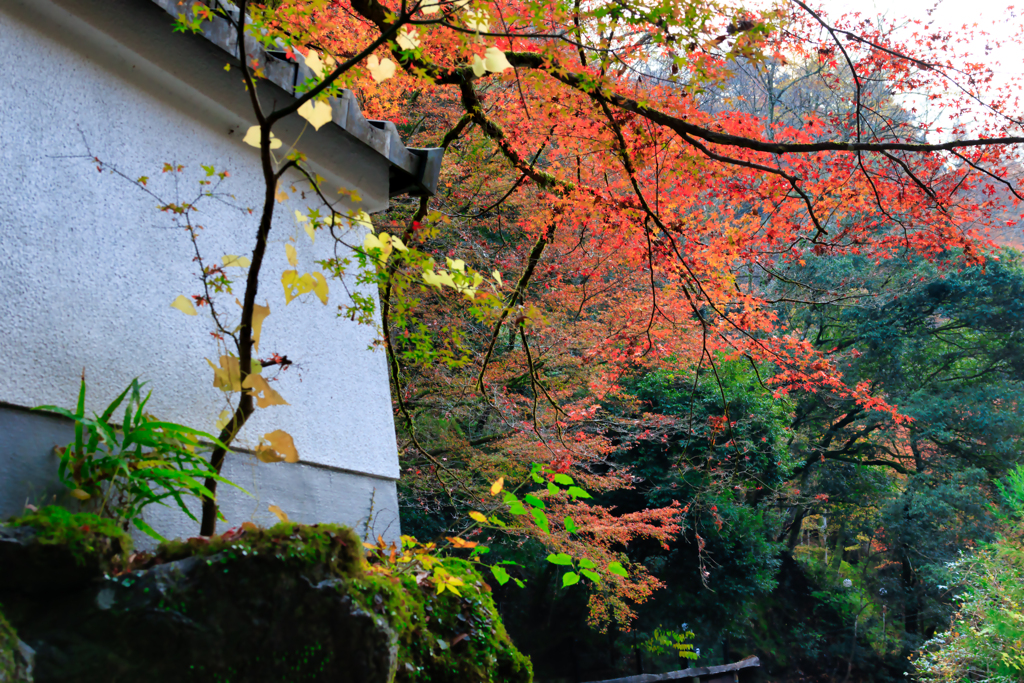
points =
(294, 285)
(430, 7)
(407, 39)
(478, 20)
(184, 305)
(320, 287)
(281, 197)
(495, 60)
(497, 486)
(232, 261)
(80, 494)
(478, 66)
(252, 138)
(478, 516)
(497, 277)
(222, 420)
(457, 264)
(293, 257)
(257, 386)
(311, 231)
(289, 279)
(259, 314)
(380, 69)
(278, 512)
(300, 217)
(281, 441)
(383, 242)
(461, 542)
(398, 244)
(431, 278)
(227, 377)
(314, 62)
(265, 453)
(361, 219)
(317, 113)
(150, 464)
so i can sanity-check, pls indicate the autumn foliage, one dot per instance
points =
(634, 206)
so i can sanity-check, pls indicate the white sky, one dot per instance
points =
(999, 18)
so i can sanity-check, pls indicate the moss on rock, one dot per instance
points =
(52, 549)
(444, 638)
(441, 637)
(292, 602)
(329, 548)
(14, 667)
(84, 534)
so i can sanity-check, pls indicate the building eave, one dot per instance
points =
(413, 171)
(147, 28)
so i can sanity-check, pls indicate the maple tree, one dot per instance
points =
(643, 209)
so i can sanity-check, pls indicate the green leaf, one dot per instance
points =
(616, 568)
(534, 501)
(570, 525)
(560, 559)
(147, 529)
(537, 478)
(589, 564)
(577, 492)
(570, 579)
(510, 498)
(563, 479)
(480, 550)
(592, 575)
(552, 489)
(540, 518)
(518, 582)
(517, 508)
(500, 575)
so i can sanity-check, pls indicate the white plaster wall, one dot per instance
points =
(89, 267)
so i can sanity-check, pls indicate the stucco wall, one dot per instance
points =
(89, 266)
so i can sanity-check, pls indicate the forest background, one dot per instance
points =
(744, 374)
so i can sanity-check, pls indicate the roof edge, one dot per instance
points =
(412, 171)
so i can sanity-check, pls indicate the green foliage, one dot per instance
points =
(12, 665)
(985, 640)
(663, 640)
(125, 468)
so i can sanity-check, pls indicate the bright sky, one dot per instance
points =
(998, 17)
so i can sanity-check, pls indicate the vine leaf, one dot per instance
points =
(278, 512)
(265, 396)
(184, 305)
(227, 377)
(616, 568)
(317, 113)
(233, 261)
(380, 69)
(259, 314)
(252, 138)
